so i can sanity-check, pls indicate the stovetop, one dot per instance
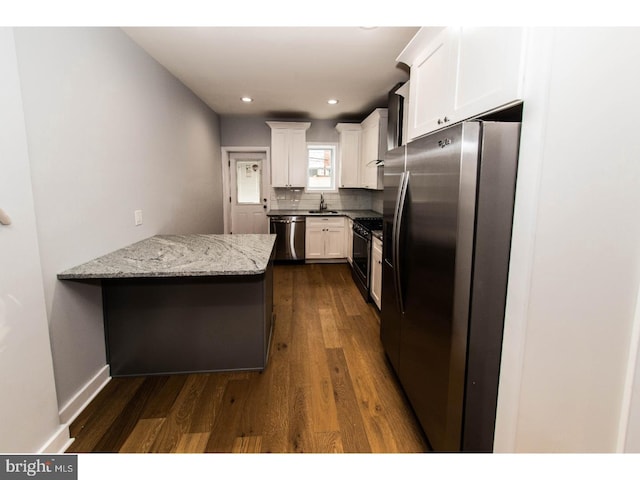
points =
(369, 223)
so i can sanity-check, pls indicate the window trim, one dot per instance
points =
(336, 167)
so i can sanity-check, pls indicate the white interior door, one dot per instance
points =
(249, 193)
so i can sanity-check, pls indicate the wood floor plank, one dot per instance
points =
(124, 423)
(354, 437)
(327, 387)
(178, 419)
(247, 444)
(328, 442)
(91, 427)
(277, 375)
(205, 412)
(390, 423)
(323, 412)
(142, 436)
(160, 404)
(330, 333)
(192, 443)
(226, 428)
(300, 437)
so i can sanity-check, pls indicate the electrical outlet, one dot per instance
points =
(137, 215)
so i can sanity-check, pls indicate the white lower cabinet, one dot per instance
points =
(325, 238)
(376, 271)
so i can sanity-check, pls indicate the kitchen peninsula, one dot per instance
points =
(185, 303)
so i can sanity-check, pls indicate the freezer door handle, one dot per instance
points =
(397, 222)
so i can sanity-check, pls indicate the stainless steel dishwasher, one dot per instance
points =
(290, 241)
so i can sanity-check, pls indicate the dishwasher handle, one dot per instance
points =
(287, 220)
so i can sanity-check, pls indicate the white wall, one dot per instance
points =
(28, 407)
(575, 269)
(109, 131)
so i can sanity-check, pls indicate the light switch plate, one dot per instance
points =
(138, 217)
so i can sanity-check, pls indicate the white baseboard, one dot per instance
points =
(73, 407)
(58, 442)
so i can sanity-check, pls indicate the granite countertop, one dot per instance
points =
(353, 214)
(194, 255)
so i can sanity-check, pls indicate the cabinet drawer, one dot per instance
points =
(325, 222)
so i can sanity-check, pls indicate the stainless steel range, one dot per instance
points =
(362, 228)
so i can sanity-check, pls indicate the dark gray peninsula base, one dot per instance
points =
(203, 303)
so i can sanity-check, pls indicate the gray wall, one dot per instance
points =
(246, 131)
(109, 131)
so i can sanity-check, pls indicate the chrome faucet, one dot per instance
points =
(323, 206)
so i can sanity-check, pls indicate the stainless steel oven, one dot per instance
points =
(361, 266)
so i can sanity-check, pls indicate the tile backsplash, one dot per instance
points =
(344, 199)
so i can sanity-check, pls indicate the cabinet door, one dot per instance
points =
(489, 69)
(279, 158)
(376, 272)
(298, 158)
(368, 166)
(366, 156)
(349, 240)
(350, 159)
(334, 242)
(314, 242)
(432, 85)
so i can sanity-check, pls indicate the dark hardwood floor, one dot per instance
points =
(327, 387)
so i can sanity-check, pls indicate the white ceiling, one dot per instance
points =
(290, 72)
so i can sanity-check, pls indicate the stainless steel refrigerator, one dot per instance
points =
(448, 211)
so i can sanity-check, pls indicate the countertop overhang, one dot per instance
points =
(193, 255)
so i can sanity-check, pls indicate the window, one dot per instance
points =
(321, 167)
(248, 181)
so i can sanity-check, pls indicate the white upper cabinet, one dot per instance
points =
(490, 69)
(289, 153)
(350, 137)
(432, 83)
(458, 73)
(374, 148)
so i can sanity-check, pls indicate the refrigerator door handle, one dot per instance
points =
(402, 195)
(394, 243)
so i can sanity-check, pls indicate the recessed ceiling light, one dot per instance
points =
(247, 99)
(333, 101)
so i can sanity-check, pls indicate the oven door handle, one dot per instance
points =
(397, 226)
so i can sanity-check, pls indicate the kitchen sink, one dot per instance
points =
(324, 212)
